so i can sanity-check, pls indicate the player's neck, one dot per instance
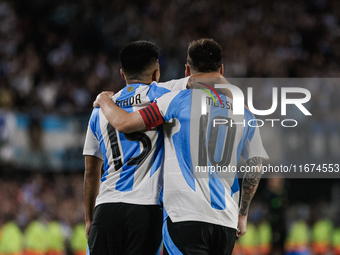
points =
(208, 75)
(214, 78)
(146, 82)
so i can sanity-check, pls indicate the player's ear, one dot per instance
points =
(122, 74)
(187, 70)
(221, 69)
(156, 74)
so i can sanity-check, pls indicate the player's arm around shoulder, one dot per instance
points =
(121, 120)
(250, 184)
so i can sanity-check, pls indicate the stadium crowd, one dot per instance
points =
(56, 56)
(43, 214)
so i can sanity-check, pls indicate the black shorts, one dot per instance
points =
(197, 238)
(120, 228)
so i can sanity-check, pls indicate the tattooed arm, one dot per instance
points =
(250, 183)
(249, 186)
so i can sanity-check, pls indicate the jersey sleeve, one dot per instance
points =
(253, 146)
(91, 146)
(162, 110)
(175, 85)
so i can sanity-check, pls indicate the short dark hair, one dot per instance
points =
(204, 55)
(136, 57)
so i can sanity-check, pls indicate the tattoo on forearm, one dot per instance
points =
(250, 183)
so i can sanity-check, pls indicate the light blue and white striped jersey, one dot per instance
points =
(191, 140)
(132, 162)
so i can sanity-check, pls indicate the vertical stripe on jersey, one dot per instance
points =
(217, 192)
(183, 140)
(252, 129)
(132, 149)
(95, 127)
(114, 145)
(159, 151)
(236, 186)
(248, 132)
(216, 187)
(117, 159)
(221, 142)
(126, 179)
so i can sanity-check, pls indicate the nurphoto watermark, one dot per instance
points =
(238, 108)
(223, 116)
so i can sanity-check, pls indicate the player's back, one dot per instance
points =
(131, 161)
(199, 139)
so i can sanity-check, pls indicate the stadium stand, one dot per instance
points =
(56, 56)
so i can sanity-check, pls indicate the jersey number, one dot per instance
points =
(210, 150)
(216, 188)
(145, 140)
(135, 136)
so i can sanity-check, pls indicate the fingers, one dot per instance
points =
(95, 104)
(88, 231)
(105, 93)
(240, 233)
(109, 93)
(242, 226)
(87, 228)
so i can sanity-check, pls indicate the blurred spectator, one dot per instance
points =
(275, 196)
(78, 241)
(35, 156)
(322, 229)
(336, 235)
(297, 242)
(11, 239)
(7, 128)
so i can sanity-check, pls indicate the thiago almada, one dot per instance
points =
(225, 169)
